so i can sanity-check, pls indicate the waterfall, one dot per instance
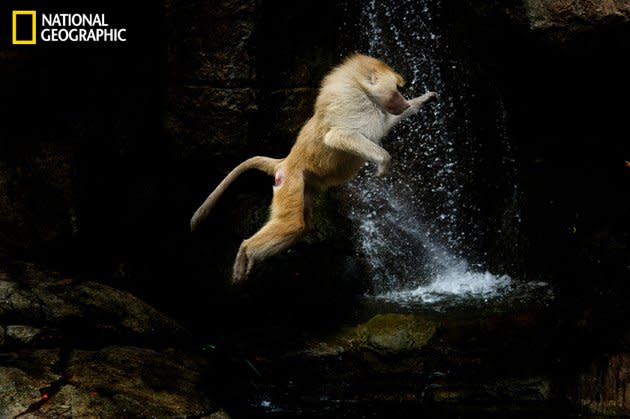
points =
(416, 227)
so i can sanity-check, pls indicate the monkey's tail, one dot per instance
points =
(264, 164)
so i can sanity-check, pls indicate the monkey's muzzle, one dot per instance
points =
(396, 104)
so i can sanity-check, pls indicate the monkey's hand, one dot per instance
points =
(418, 102)
(383, 166)
(415, 105)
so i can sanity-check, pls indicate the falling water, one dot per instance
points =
(416, 227)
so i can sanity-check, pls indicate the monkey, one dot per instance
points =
(359, 101)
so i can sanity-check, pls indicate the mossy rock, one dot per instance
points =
(389, 334)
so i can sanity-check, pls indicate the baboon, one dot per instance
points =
(358, 103)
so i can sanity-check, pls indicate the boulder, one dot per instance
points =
(571, 15)
(394, 333)
(117, 381)
(40, 309)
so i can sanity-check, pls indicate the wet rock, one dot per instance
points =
(220, 414)
(57, 308)
(22, 334)
(512, 389)
(131, 382)
(37, 200)
(395, 333)
(299, 42)
(209, 123)
(559, 21)
(287, 111)
(222, 57)
(117, 381)
(604, 387)
(383, 334)
(211, 43)
(24, 379)
(214, 9)
(570, 15)
(17, 392)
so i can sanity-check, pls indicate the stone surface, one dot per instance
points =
(604, 387)
(209, 123)
(17, 392)
(37, 201)
(569, 15)
(219, 414)
(383, 334)
(286, 112)
(39, 310)
(22, 334)
(223, 57)
(395, 333)
(24, 378)
(117, 381)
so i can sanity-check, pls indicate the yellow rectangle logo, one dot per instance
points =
(33, 39)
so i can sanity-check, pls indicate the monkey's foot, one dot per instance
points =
(239, 272)
(237, 278)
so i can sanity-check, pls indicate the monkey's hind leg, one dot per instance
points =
(286, 226)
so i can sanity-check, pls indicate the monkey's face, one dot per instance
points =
(384, 91)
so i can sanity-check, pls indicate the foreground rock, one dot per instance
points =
(118, 381)
(84, 349)
(384, 334)
(422, 361)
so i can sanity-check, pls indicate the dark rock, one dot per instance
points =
(211, 42)
(384, 334)
(209, 8)
(37, 198)
(17, 392)
(395, 333)
(219, 414)
(559, 20)
(24, 378)
(286, 113)
(112, 382)
(604, 387)
(130, 381)
(513, 389)
(223, 57)
(295, 42)
(22, 334)
(570, 15)
(58, 308)
(208, 123)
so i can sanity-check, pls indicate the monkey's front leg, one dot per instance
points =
(357, 144)
(415, 105)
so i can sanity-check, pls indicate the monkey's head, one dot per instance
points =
(381, 84)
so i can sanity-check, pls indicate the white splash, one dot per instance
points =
(455, 283)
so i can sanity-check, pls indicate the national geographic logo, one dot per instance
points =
(64, 28)
(24, 27)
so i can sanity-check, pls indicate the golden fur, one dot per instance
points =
(357, 105)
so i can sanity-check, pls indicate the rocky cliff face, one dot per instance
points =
(571, 15)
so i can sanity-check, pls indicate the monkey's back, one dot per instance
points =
(324, 165)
